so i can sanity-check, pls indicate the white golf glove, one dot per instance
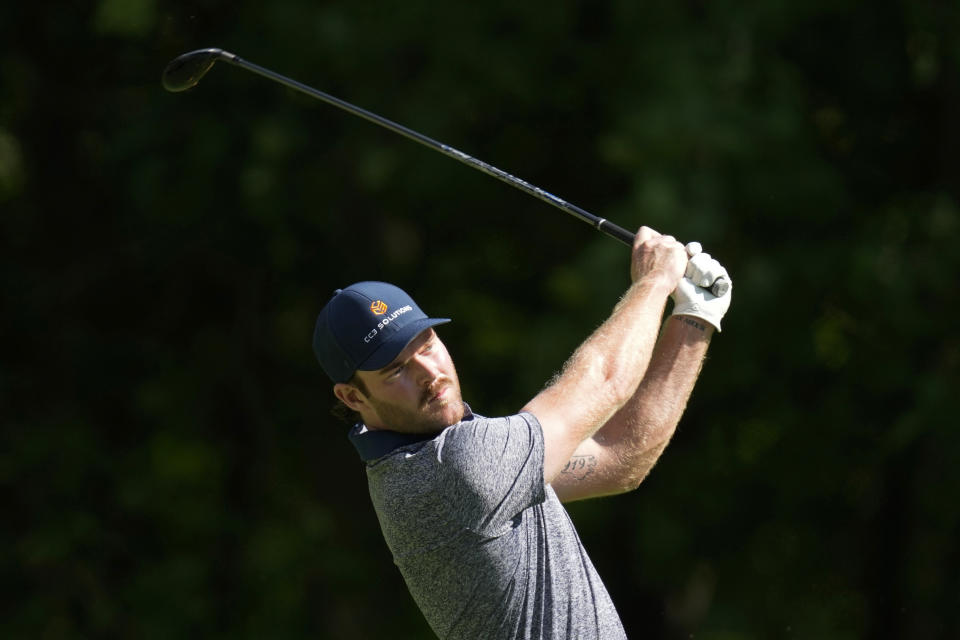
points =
(693, 297)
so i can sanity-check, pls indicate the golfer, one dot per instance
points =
(470, 506)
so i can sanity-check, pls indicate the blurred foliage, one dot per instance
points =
(168, 467)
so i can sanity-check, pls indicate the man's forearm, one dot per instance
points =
(601, 375)
(641, 429)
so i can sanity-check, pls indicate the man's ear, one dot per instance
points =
(350, 395)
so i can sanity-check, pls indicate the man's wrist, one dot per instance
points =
(658, 282)
(694, 324)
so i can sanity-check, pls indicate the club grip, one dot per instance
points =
(719, 288)
(616, 232)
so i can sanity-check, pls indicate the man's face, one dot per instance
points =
(418, 392)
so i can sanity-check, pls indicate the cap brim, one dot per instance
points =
(391, 348)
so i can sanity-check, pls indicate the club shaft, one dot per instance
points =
(719, 288)
(601, 224)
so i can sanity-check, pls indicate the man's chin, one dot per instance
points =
(446, 414)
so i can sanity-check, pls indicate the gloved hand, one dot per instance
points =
(693, 297)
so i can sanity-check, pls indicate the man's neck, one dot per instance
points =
(372, 444)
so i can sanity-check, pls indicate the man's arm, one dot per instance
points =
(620, 455)
(622, 452)
(606, 369)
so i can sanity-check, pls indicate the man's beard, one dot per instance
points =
(428, 417)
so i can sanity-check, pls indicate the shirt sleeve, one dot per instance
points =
(491, 469)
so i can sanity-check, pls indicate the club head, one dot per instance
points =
(185, 71)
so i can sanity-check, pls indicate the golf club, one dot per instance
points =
(186, 70)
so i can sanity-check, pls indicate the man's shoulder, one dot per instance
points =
(483, 431)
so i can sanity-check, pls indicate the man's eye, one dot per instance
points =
(396, 372)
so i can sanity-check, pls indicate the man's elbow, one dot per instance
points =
(634, 480)
(635, 469)
(629, 479)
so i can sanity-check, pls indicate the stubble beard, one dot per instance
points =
(430, 416)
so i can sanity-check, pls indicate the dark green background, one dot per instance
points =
(168, 467)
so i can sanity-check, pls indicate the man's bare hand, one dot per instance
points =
(657, 256)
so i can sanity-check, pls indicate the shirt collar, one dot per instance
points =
(376, 443)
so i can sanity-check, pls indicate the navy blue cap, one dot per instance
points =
(364, 327)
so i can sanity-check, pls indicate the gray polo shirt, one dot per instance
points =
(485, 548)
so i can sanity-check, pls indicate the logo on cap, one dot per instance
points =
(378, 307)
